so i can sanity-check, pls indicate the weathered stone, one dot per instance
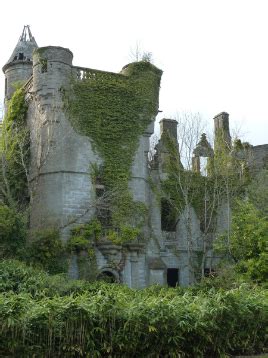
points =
(64, 192)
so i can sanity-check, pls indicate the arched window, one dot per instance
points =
(107, 276)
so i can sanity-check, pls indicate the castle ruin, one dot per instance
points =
(66, 191)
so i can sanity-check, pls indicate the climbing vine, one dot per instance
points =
(226, 172)
(81, 243)
(114, 110)
(15, 151)
(83, 236)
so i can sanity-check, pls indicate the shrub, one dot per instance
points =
(101, 320)
(47, 251)
(12, 232)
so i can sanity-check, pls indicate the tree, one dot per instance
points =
(138, 54)
(185, 190)
(246, 246)
(207, 193)
(258, 191)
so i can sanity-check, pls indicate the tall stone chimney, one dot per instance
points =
(169, 125)
(221, 129)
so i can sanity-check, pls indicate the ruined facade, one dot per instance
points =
(64, 193)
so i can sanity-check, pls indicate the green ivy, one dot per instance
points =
(114, 110)
(123, 234)
(15, 148)
(81, 243)
(46, 250)
(203, 193)
(83, 236)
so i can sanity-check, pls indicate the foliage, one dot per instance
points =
(123, 234)
(247, 244)
(12, 232)
(16, 276)
(15, 144)
(82, 236)
(229, 168)
(114, 110)
(258, 191)
(104, 320)
(227, 180)
(184, 188)
(81, 243)
(45, 250)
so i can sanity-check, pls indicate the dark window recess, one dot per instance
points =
(209, 272)
(104, 216)
(102, 207)
(5, 86)
(172, 277)
(99, 192)
(168, 216)
(107, 276)
(21, 56)
(43, 66)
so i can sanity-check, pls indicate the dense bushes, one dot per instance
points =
(46, 250)
(100, 320)
(12, 232)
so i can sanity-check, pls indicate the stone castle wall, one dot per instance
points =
(64, 194)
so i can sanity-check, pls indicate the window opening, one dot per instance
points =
(20, 56)
(107, 276)
(172, 277)
(43, 66)
(209, 272)
(168, 216)
(102, 207)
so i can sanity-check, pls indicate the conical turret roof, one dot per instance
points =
(23, 51)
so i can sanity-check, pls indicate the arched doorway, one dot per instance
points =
(109, 276)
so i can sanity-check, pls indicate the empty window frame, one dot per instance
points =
(168, 216)
(172, 277)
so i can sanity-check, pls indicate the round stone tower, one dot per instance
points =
(51, 69)
(18, 68)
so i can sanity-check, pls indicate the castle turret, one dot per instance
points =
(18, 68)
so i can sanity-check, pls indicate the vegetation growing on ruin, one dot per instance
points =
(246, 247)
(12, 232)
(114, 110)
(83, 235)
(227, 179)
(15, 152)
(46, 250)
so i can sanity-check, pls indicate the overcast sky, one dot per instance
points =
(213, 52)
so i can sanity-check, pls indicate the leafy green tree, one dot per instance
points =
(247, 244)
(258, 191)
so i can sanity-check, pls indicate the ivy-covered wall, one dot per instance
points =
(114, 110)
(15, 152)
